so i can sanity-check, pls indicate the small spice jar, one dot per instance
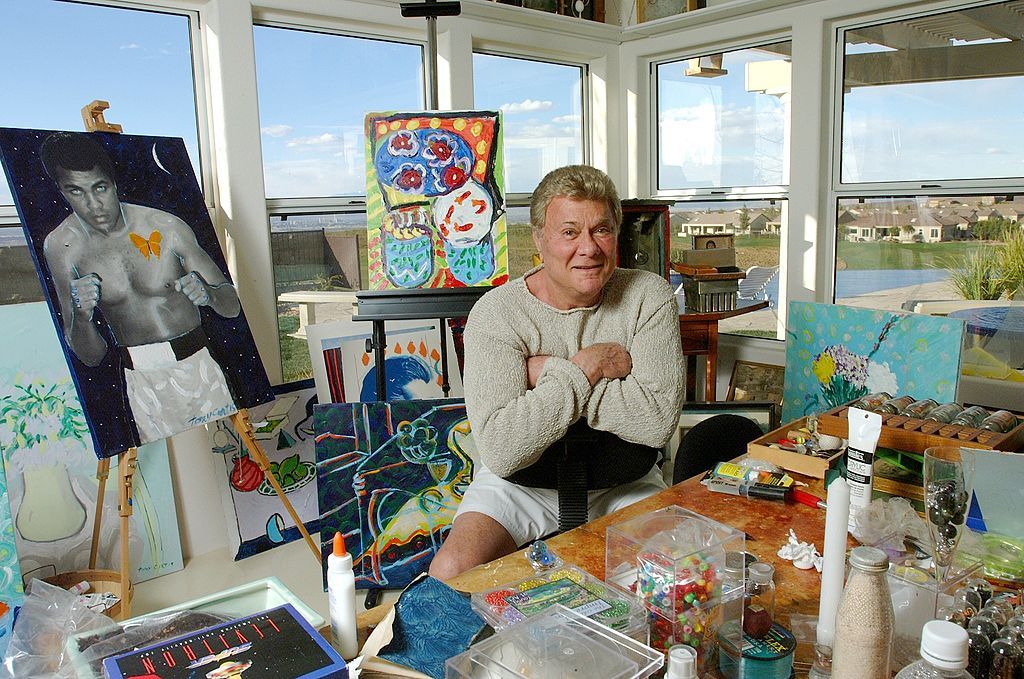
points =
(895, 406)
(1000, 421)
(1006, 660)
(864, 620)
(971, 417)
(945, 413)
(873, 401)
(920, 409)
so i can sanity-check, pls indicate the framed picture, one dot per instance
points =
(712, 241)
(756, 382)
(765, 414)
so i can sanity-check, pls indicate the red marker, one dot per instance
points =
(809, 499)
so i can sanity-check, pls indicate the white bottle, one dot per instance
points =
(341, 599)
(943, 653)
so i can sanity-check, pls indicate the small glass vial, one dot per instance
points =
(971, 417)
(734, 574)
(873, 401)
(894, 406)
(979, 653)
(997, 613)
(984, 624)
(982, 587)
(945, 412)
(952, 614)
(1006, 660)
(759, 607)
(919, 409)
(864, 620)
(1000, 421)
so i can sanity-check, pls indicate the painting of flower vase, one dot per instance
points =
(435, 202)
(836, 353)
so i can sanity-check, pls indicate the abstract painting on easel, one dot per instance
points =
(138, 288)
(435, 201)
(391, 476)
(284, 429)
(51, 466)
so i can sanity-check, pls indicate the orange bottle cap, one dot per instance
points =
(339, 545)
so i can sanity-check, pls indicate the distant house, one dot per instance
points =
(929, 227)
(707, 223)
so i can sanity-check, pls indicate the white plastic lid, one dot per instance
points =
(682, 662)
(761, 572)
(944, 645)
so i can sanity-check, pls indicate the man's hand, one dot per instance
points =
(193, 286)
(607, 360)
(534, 365)
(85, 294)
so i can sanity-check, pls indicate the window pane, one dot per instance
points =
(18, 279)
(59, 56)
(723, 119)
(941, 255)
(314, 91)
(319, 261)
(542, 111)
(931, 98)
(756, 228)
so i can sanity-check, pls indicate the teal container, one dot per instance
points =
(770, 657)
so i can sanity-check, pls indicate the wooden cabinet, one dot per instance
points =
(644, 236)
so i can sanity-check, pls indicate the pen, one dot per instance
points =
(809, 499)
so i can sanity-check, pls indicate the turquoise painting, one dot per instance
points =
(835, 354)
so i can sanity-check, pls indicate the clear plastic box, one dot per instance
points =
(673, 561)
(556, 643)
(569, 586)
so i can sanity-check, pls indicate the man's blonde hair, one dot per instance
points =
(579, 182)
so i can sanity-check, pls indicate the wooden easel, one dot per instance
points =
(127, 462)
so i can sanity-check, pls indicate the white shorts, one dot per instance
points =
(531, 513)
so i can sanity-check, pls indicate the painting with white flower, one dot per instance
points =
(835, 354)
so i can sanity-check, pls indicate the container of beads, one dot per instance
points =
(674, 560)
(569, 586)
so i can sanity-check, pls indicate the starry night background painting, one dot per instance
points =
(154, 172)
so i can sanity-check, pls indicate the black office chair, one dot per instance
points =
(714, 440)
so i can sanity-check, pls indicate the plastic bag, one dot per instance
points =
(48, 617)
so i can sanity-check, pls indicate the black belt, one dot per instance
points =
(183, 346)
(585, 459)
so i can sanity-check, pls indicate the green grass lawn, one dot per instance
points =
(883, 255)
(294, 352)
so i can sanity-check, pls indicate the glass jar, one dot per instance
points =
(1000, 421)
(873, 401)
(864, 620)
(945, 412)
(919, 409)
(734, 574)
(971, 417)
(895, 406)
(979, 653)
(982, 587)
(1006, 660)
(759, 600)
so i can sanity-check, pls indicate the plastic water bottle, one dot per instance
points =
(943, 653)
(341, 599)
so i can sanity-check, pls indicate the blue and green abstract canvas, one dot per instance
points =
(390, 477)
(836, 353)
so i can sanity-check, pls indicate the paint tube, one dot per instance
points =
(865, 428)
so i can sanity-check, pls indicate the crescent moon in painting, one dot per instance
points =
(156, 159)
(275, 527)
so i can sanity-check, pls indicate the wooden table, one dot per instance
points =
(699, 335)
(766, 523)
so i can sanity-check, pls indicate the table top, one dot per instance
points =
(709, 316)
(766, 523)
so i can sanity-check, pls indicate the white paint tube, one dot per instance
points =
(865, 428)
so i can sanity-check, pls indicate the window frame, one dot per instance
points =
(519, 198)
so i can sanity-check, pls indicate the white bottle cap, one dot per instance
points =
(944, 645)
(682, 662)
(761, 572)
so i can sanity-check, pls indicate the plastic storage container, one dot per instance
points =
(556, 643)
(943, 653)
(570, 587)
(673, 561)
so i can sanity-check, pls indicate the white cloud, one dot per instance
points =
(573, 119)
(276, 130)
(525, 106)
(130, 46)
(324, 139)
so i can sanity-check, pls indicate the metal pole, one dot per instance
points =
(432, 62)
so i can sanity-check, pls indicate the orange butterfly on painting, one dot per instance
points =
(147, 246)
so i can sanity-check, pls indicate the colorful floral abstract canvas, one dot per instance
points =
(835, 354)
(435, 201)
(390, 478)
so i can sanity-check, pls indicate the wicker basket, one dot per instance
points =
(99, 581)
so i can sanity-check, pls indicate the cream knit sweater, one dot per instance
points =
(513, 425)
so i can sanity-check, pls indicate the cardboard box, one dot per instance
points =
(809, 465)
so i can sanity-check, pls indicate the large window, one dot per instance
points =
(722, 129)
(59, 56)
(928, 217)
(314, 92)
(542, 112)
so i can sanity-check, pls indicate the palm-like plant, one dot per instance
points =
(977, 274)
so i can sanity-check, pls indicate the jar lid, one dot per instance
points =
(869, 559)
(682, 662)
(761, 572)
(944, 645)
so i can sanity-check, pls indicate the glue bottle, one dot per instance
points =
(341, 599)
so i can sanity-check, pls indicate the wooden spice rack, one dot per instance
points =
(914, 435)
